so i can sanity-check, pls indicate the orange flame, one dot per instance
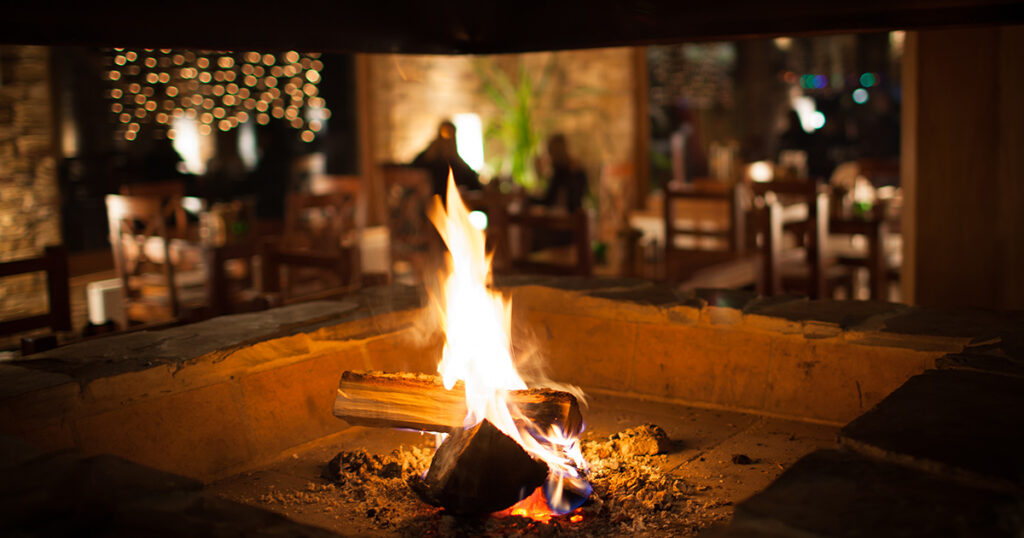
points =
(478, 351)
(534, 507)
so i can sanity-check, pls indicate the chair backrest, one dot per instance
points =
(170, 193)
(705, 224)
(134, 223)
(800, 207)
(327, 221)
(412, 238)
(526, 225)
(53, 262)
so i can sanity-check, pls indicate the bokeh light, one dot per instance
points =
(221, 89)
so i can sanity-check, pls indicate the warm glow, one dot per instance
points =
(534, 507)
(469, 137)
(761, 171)
(478, 351)
(212, 81)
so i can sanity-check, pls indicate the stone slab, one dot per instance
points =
(964, 420)
(651, 294)
(724, 298)
(844, 314)
(991, 363)
(16, 380)
(568, 283)
(994, 329)
(198, 433)
(832, 493)
(70, 495)
(129, 352)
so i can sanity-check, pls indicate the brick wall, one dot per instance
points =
(29, 203)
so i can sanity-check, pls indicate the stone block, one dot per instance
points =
(985, 362)
(702, 364)
(400, 351)
(39, 409)
(843, 314)
(636, 304)
(291, 405)
(71, 495)
(168, 432)
(16, 380)
(213, 340)
(830, 493)
(1001, 331)
(734, 299)
(956, 420)
(650, 294)
(829, 379)
(583, 350)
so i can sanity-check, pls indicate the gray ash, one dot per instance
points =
(634, 492)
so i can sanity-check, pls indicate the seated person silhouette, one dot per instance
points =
(442, 154)
(567, 185)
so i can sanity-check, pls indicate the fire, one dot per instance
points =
(478, 352)
(534, 507)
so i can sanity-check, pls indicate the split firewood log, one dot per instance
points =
(420, 402)
(479, 470)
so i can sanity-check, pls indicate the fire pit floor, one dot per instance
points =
(718, 459)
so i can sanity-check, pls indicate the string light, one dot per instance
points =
(221, 89)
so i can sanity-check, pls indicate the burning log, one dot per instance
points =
(420, 402)
(479, 470)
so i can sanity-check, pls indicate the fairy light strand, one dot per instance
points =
(219, 89)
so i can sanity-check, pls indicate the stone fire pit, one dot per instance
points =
(202, 419)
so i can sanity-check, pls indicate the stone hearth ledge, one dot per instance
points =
(248, 388)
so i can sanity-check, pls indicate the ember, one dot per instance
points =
(633, 492)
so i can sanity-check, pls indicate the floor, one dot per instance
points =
(712, 451)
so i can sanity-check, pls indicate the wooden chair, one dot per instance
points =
(320, 245)
(170, 192)
(523, 227)
(874, 230)
(153, 274)
(413, 242)
(705, 226)
(800, 208)
(53, 262)
(496, 205)
(231, 244)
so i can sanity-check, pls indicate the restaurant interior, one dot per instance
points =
(773, 252)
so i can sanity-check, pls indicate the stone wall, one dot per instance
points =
(29, 202)
(588, 97)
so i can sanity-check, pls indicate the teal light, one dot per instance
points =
(867, 80)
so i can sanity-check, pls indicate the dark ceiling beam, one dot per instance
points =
(478, 26)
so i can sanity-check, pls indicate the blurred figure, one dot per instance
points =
(441, 154)
(567, 183)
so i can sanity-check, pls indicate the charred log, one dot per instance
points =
(479, 470)
(420, 402)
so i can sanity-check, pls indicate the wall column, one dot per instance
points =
(963, 167)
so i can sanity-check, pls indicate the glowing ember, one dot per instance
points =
(478, 351)
(534, 507)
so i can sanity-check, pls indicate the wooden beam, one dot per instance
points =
(456, 27)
